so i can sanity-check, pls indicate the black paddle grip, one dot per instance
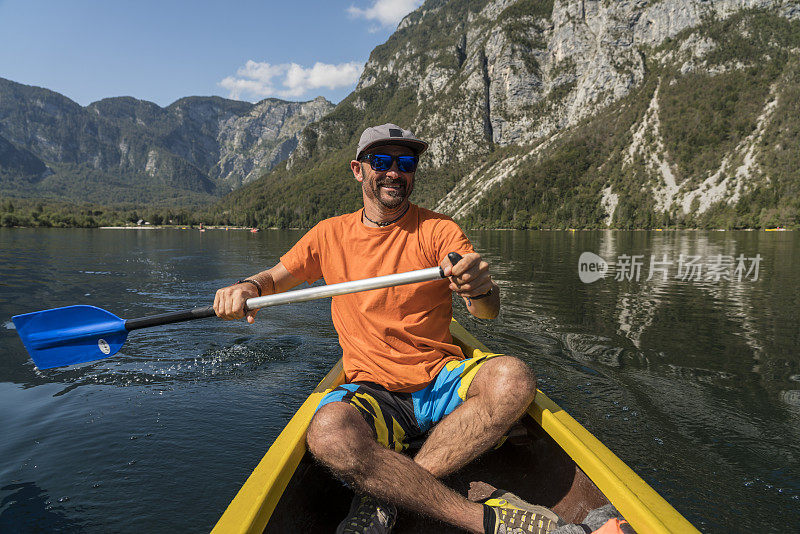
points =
(454, 257)
(169, 318)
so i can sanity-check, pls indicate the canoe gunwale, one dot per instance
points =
(641, 505)
(253, 505)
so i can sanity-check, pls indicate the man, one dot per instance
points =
(404, 375)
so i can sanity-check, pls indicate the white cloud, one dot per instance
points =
(289, 80)
(386, 12)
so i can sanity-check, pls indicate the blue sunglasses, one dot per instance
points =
(383, 162)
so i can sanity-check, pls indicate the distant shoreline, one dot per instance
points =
(173, 227)
(257, 229)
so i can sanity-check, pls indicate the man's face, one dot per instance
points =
(389, 188)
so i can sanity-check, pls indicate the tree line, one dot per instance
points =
(55, 214)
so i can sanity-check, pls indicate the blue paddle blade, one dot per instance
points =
(68, 335)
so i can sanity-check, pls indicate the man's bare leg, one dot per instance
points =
(340, 438)
(498, 396)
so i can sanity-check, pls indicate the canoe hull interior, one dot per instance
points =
(532, 466)
(551, 460)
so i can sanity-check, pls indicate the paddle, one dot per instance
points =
(78, 334)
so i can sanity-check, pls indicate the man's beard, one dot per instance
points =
(396, 197)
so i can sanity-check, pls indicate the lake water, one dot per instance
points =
(693, 380)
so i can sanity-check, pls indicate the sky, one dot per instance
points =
(165, 50)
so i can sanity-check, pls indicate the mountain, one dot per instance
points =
(20, 163)
(129, 150)
(567, 113)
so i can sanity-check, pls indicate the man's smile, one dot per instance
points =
(393, 187)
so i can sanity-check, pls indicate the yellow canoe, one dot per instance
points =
(556, 463)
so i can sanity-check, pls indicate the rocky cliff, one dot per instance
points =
(123, 149)
(569, 113)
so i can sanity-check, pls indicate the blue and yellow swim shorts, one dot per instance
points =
(398, 418)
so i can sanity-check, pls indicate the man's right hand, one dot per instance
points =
(229, 302)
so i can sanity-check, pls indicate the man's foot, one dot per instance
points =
(505, 513)
(368, 515)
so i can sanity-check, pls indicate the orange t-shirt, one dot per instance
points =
(398, 337)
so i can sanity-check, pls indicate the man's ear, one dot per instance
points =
(355, 166)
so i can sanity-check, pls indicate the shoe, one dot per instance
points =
(515, 516)
(368, 515)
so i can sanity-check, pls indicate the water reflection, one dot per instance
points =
(705, 365)
(659, 307)
(26, 507)
(693, 383)
(791, 397)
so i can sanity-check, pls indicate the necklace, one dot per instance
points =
(382, 224)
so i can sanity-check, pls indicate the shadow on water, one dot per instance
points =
(26, 508)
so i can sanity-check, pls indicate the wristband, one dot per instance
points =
(249, 281)
(478, 297)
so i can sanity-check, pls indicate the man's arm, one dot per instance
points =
(470, 278)
(229, 301)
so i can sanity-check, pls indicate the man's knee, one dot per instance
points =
(337, 435)
(509, 377)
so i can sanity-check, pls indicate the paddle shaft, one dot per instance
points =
(82, 333)
(302, 295)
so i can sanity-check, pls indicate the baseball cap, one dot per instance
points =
(389, 134)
